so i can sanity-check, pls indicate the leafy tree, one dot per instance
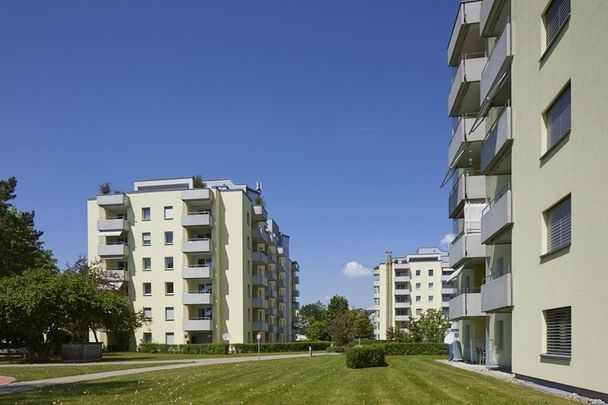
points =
(362, 325)
(311, 313)
(20, 244)
(197, 181)
(105, 188)
(318, 330)
(396, 334)
(431, 326)
(341, 329)
(338, 305)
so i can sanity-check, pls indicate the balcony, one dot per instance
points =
(272, 257)
(492, 17)
(196, 298)
(259, 258)
(465, 143)
(115, 275)
(271, 275)
(197, 324)
(259, 303)
(271, 311)
(296, 293)
(468, 187)
(197, 195)
(464, 93)
(466, 305)
(197, 245)
(280, 283)
(112, 224)
(197, 272)
(402, 304)
(295, 305)
(467, 248)
(271, 293)
(259, 280)
(496, 148)
(281, 313)
(496, 292)
(401, 279)
(259, 213)
(497, 219)
(281, 251)
(260, 326)
(465, 32)
(497, 65)
(447, 290)
(260, 234)
(112, 200)
(402, 318)
(197, 218)
(280, 330)
(402, 291)
(116, 249)
(401, 266)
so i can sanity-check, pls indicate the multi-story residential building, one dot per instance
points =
(528, 98)
(200, 262)
(405, 287)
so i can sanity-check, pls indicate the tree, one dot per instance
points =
(105, 188)
(318, 330)
(20, 244)
(341, 329)
(362, 325)
(431, 326)
(197, 181)
(338, 305)
(396, 334)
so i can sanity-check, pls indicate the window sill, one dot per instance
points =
(555, 356)
(168, 269)
(147, 295)
(562, 249)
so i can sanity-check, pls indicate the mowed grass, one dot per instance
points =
(318, 380)
(42, 373)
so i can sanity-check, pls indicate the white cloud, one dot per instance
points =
(355, 269)
(447, 239)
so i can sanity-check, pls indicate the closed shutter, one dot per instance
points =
(559, 225)
(559, 331)
(169, 314)
(555, 17)
(559, 118)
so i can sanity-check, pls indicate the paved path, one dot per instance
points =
(30, 385)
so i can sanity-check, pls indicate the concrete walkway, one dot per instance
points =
(30, 385)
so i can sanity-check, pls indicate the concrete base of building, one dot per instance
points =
(561, 389)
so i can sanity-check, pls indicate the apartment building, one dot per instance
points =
(405, 287)
(200, 260)
(527, 152)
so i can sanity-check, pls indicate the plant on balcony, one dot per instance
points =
(197, 181)
(259, 200)
(105, 188)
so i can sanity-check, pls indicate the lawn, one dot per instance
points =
(320, 380)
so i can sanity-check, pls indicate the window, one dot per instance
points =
(500, 335)
(417, 286)
(169, 314)
(430, 298)
(248, 219)
(169, 338)
(147, 313)
(431, 285)
(169, 263)
(168, 238)
(555, 17)
(168, 212)
(430, 272)
(147, 288)
(418, 298)
(559, 225)
(146, 239)
(145, 214)
(147, 263)
(558, 118)
(417, 272)
(169, 288)
(147, 337)
(559, 331)
(418, 311)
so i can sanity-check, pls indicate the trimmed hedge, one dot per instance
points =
(207, 348)
(365, 356)
(279, 347)
(392, 349)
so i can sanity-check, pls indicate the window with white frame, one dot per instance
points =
(147, 263)
(417, 272)
(147, 337)
(430, 298)
(558, 118)
(170, 338)
(559, 225)
(417, 286)
(145, 214)
(558, 324)
(555, 18)
(168, 211)
(168, 238)
(431, 285)
(430, 272)
(169, 263)
(169, 288)
(418, 311)
(147, 313)
(146, 238)
(147, 288)
(418, 297)
(169, 314)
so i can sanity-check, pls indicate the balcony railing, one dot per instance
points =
(197, 271)
(197, 245)
(197, 218)
(260, 234)
(259, 257)
(197, 324)
(111, 224)
(497, 65)
(260, 326)
(112, 249)
(497, 145)
(466, 304)
(259, 213)
(497, 218)
(402, 304)
(469, 186)
(464, 91)
(463, 38)
(197, 194)
(112, 200)
(197, 298)
(496, 290)
(466, 247)
(259, 303)
(465, 142)
(489, 16)
(258, 279)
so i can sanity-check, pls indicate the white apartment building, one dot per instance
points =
(529, 97)
(405, 287)
(199, 262)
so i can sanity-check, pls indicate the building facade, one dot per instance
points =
(528, 98)
(405, 287)
(199, 262)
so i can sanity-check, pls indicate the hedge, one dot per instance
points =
(208, 348)
(392, 349)
(279, 347)
(365, 356)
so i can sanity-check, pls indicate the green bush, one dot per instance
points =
(365, 356)
(392, 349)
(336, 349)
(280, 347)
(208, 348)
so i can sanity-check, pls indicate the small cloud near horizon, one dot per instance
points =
(355, 269)
(447, 239)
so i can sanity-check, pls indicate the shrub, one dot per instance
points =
(280, 347)
(336, 349)
(208, 348)
(365, 356)
(392, 349)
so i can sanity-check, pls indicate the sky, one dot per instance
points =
(338, 107)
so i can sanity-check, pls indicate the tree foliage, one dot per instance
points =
(20, 244)
(338, 305)
(396, 334)
(430, 327)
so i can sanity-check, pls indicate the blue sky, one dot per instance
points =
(339, 108)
